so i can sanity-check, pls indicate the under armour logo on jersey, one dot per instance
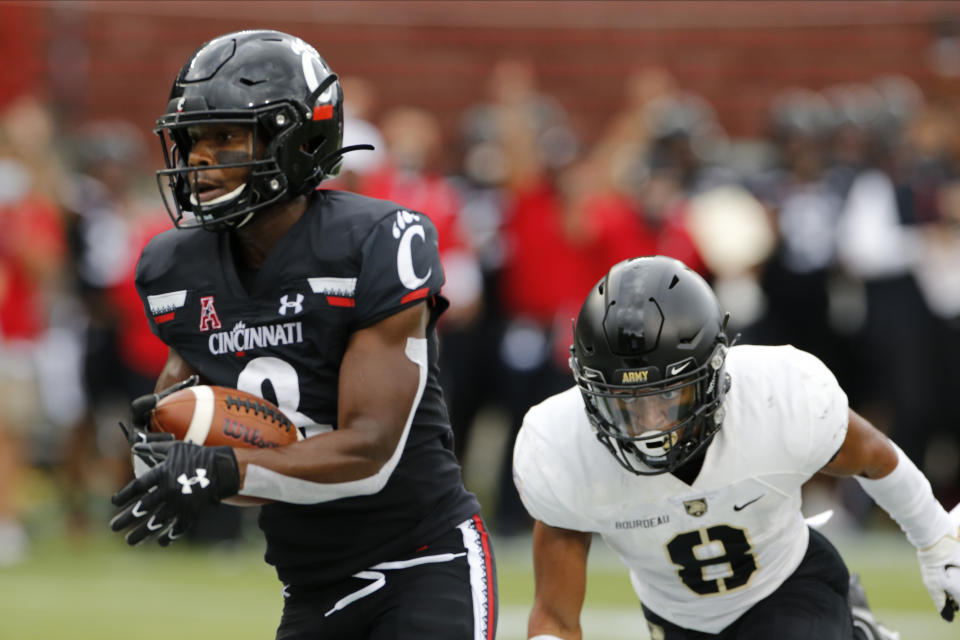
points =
(208, 315)
(405, 230)
(186, 484)
(296, 305)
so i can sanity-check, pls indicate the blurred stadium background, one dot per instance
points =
(803, 156)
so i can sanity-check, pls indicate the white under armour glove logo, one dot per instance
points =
(940, 568)
(186, 483)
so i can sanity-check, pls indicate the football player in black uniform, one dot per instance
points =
(326, 303)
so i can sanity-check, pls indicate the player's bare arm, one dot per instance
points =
(174, 370)
(560, 573)
(658, 383)
(865, 452)
(378, 385)
(897, 485)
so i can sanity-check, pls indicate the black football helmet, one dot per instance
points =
(279, 86)
(648, 356)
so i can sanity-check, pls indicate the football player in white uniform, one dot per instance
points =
(713, 442)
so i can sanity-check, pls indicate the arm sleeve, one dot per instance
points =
(820, 411)
(158, 307)
(401, 266)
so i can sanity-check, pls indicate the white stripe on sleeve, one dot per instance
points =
(261, 482)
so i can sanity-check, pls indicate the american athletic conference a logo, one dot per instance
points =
(208, 315)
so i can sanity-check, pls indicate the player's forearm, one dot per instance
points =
(560, 574)
(175, 369)
(326, 467)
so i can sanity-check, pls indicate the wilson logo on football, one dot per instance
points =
(249, 436)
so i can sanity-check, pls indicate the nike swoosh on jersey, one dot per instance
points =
(740, 507)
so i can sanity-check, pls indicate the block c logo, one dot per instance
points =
(405, 230)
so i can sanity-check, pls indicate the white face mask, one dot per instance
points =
(218, 200)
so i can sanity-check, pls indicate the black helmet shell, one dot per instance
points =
(278, 84)
(651, 323)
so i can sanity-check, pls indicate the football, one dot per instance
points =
(214, 416)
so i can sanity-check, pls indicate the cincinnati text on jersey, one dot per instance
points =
(244, 338)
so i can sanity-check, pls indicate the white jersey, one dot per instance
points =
(699, 555)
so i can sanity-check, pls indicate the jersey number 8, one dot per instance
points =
(713, 560)
(284, 380)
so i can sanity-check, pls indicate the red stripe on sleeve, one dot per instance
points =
(166, 317)
(340, 301)
(415, 295)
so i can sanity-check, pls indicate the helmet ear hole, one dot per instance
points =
(313, 145)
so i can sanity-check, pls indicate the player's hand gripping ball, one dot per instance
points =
(184, 433)
(216, 416)
(166, 500)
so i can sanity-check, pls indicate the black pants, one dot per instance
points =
(811, 603)
(447, 590)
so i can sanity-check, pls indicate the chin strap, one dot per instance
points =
(334, 155)
(244, 221)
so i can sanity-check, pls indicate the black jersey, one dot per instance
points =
(349, 262)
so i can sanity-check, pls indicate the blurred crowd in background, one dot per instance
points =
(838, 232)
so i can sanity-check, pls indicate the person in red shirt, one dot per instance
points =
(108, 224)
(31, 253)
(412, 174)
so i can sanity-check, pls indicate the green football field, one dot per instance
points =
(96, 588)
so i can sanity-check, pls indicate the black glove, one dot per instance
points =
(165, 500)
(140, 410)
